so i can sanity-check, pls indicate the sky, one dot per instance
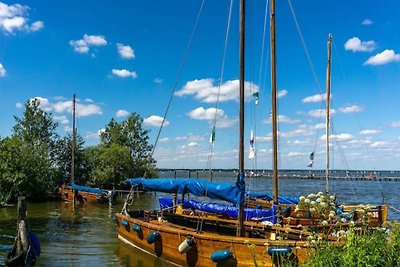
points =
(132, 56)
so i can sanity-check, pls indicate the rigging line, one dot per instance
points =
(210, 155)
(309, 62)
(178, 75)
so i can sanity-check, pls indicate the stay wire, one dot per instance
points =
(178, 75)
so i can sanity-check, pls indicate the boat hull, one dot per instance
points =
(66, 193)
(245, 251)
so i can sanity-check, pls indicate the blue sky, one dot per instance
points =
(122, 57)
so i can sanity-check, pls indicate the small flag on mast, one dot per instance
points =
(256, 95)
(311, 162)
(252, 152)
(212, 136)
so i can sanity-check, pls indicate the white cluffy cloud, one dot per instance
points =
(82, 110)
(16, 18)
(82, 46)
(395, 124)
(367, 22)
(205, 90)
(2, 70)
(283, 119)
(121, 113)
(317, 113)
(155, 121)
(382, 58)
(339, 137)
(281, 93)
(356, 45)
(123, 73)
(125, 51)
(315, 98)
(222, 120)
(370, 132)
(350, 109)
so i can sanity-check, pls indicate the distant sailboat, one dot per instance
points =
(82, 194)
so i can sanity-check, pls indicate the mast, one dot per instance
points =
(73, 146)
(241, 183)
(328, 98)
(274, 116)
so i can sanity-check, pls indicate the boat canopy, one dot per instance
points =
(199, 187)
(226, 210)
(281, 199)
(87, 189)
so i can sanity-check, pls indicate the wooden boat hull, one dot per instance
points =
(246, 251)
(66, 193)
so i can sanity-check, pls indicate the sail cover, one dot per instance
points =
(87, 189)
(226, 210)
(198, 187)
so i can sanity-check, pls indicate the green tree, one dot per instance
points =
(27, 165)
(130, 133)
(63, 159)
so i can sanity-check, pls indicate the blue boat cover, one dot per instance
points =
(232, 193)
(281, 199)
(226, 210)
(87, 189)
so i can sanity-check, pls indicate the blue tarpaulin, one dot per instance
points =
(226, 210)
(87, 189)
(232, 193)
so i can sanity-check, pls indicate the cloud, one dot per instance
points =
(301, 130)
(155, 121)
(205, 91)
(369, 132)
(339, 137)
(18, 105)
(192, 144)
(82, 110)
(356, 45)
(89, 100)
(350, 109)
(190, 138)
(125, 51)
(316, 113)
(15, 18)
(367, 22)
(121, 113)
(296, 154)
(281, 93)
(82, 46)
(94, 135)
(315, 98)
(164, 140)
(382, 58)
(209, 114)
(205, 114)
(61, 119)
(158, 80)
(380, 144)
(283, 119)
(320, 126)
(2, 70)
(123, 73)
(395, 124)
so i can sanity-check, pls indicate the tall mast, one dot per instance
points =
(274, 116)
(328, 98)
(73, 141)
(240, 230)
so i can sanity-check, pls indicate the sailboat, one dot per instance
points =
(189, 237)
(82, 194)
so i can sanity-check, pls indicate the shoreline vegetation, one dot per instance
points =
(35, 160)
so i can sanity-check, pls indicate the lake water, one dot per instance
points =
(85, 235)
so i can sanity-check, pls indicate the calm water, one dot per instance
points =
(85, 235)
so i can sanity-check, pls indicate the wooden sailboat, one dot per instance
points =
(82, 194)
(203, 239)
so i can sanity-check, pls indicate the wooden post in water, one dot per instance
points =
(73, 150)
(23, 229)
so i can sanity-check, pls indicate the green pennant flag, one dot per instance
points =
(212, 136)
